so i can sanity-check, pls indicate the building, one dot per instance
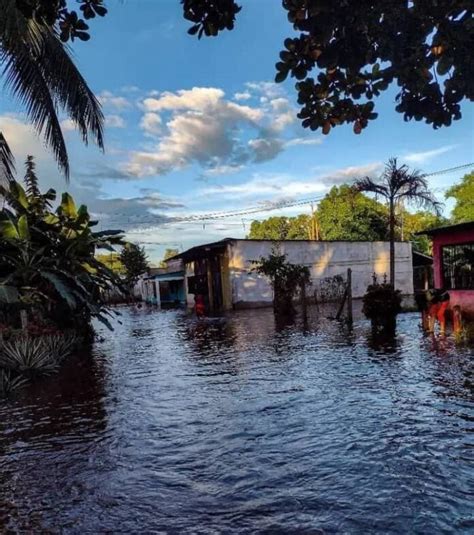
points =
(422, 271)
(453, 264)
(222, 271)
(164, 287)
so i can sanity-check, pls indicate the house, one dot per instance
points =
(222, 271)
(164, 287)
(453, 264)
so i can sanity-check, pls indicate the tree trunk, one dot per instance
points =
(392, 242)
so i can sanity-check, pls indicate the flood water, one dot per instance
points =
(238, 425)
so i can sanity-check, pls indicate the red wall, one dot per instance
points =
(464, 298)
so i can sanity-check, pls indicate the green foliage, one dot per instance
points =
(41, 354)
(286, 279)
(463, 194)
(47, 263)
(346, 214)
(169, 253)
(210, 17)
(343, 57)
(112, 261)
(381, 303)
(39, 72)
(399, 185)
(408, 224)
(9, 382)
(280, 228)
(134, 261)
(348, 53)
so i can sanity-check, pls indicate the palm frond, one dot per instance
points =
(41, 74)
(71, 90)
(368, 185)
(7, 161)
(19, 56)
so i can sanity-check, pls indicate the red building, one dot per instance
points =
(453, 264)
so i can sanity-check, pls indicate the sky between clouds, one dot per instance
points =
(197, 126)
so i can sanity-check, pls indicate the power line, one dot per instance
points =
(443, 171)
(284, 204)
(270, 206)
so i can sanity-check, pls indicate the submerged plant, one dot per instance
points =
(36, 354)
(9, 383)
(286, 279)
(381, 303)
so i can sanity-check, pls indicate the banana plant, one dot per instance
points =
(47, 257)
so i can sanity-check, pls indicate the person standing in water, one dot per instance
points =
(199, 306)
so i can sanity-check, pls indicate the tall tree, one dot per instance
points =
(39, 72)
(398, 185)
(169, 253)
(134, 261)
(280, 228)
(463, 194)
(408, 224)
(272, 228)
(347, 214)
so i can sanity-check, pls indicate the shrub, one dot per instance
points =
(9, 382)
(382, 302)
(40, 354)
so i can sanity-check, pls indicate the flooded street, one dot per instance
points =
(236, 425)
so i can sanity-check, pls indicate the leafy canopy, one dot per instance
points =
(463, 194)
(38, 71)
(134, 261)
(346, 53)
(346, 214)
(47, 262)
(280, 228)
(286, 279)
(349, 52)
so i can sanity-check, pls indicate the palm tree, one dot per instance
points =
(39, 71)
(398, 184)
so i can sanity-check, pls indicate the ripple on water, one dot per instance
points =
(240, 425)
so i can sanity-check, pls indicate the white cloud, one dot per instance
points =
(304, 141)
(223, 170)
(426, 156)
(269, 90)
(22, 138)
(283, 113)
(277, 186)
(151, 123)
(114, 121)
(351, 173)
(202, 126)
(265, 149)
(244, 95)
(111, 101)
(68, 125)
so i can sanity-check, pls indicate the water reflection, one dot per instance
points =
(244, 424)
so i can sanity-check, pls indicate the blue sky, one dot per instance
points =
(198, 126)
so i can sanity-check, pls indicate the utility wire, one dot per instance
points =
(268, 206)
(284, 204)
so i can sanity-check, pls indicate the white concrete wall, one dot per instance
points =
(325, 259)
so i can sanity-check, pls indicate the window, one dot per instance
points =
(458, 266)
